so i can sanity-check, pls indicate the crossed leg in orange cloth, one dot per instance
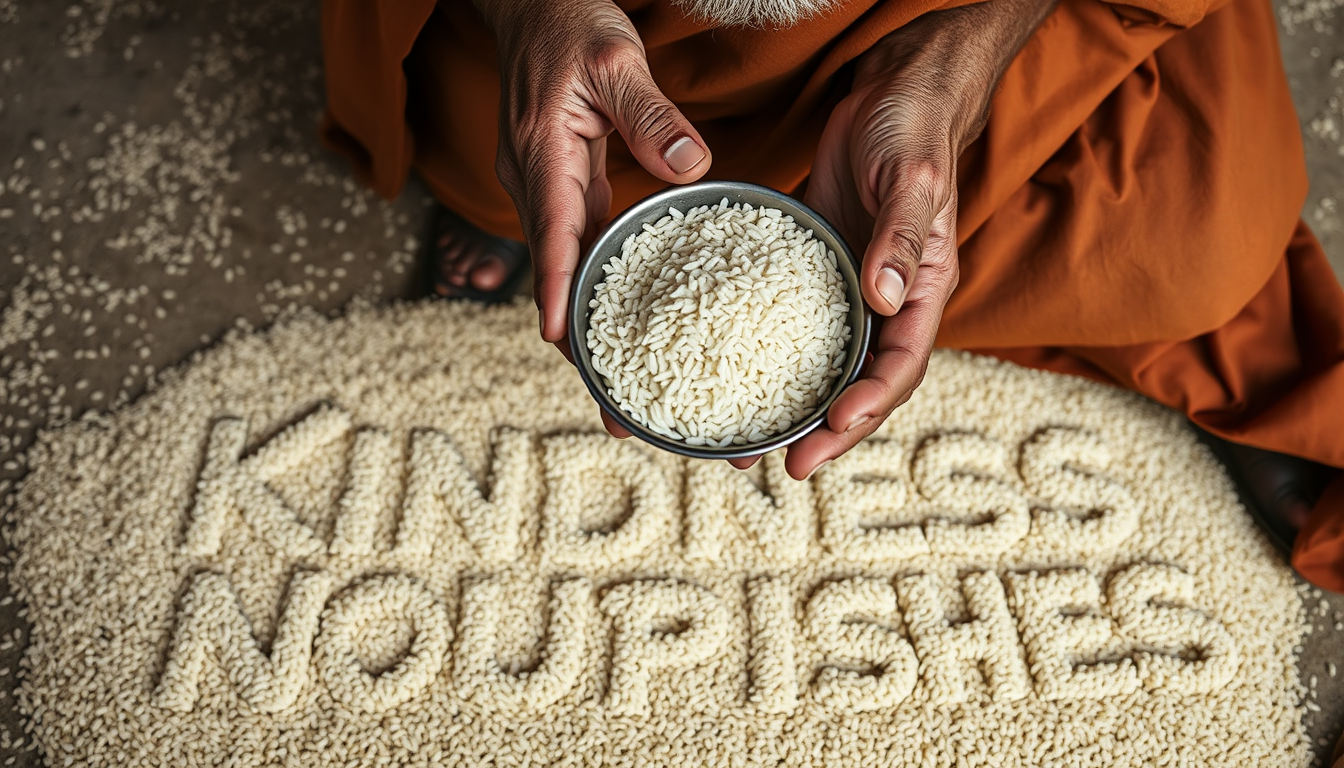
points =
(1128, 212)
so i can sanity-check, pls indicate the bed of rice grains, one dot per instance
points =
(724, 325)
(402, 538)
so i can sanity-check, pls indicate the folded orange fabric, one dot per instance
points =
(1130, 214)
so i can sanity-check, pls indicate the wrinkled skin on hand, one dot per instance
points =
(573, 71)
(885, 176)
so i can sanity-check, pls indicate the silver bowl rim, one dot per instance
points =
(670, 197)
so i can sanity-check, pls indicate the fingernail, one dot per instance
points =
(541, 321)
(890, 286)
(814, 470)
(684, 154)
(857, 422)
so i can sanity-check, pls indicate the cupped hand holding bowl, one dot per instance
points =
(718, 320)
(575, 71)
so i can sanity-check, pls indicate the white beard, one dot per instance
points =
(754, 13)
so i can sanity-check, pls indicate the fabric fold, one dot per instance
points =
(1131, 212)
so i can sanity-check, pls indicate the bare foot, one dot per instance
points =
(471, 263)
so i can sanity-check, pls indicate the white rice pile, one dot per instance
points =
(402, 538)
(721, 326)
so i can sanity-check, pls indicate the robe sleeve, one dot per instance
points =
(1174, 13)
(364, 43)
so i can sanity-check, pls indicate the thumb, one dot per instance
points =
(899, 235)
(659, 136)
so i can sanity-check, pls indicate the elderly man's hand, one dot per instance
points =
(572, 71)
(886, 176)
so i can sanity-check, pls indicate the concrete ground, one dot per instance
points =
(160, 183)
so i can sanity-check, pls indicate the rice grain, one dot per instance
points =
(721, 326)
(322, 545)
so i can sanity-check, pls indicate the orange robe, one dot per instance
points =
(1130, 214)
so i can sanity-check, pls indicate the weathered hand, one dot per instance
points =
(571, 72)
(885, 175)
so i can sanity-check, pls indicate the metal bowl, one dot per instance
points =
(650, 210)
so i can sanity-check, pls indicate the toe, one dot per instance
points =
(452, 275)
(455, 261)
(463, 262)
(468, 259)
(488, 273)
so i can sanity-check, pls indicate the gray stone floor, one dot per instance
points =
(160, 184)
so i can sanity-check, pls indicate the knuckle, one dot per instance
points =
(953, 274)
(884, 383)
(554, 271)
(939, 267)
(945, 272)
(613, 58)
(929, 185)
(854, 437)
(922, 174)
(876, 422)
(904, 248)
(913, 172)
(924, 182)
(655, 117)
(543, 221)
(551, 221)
